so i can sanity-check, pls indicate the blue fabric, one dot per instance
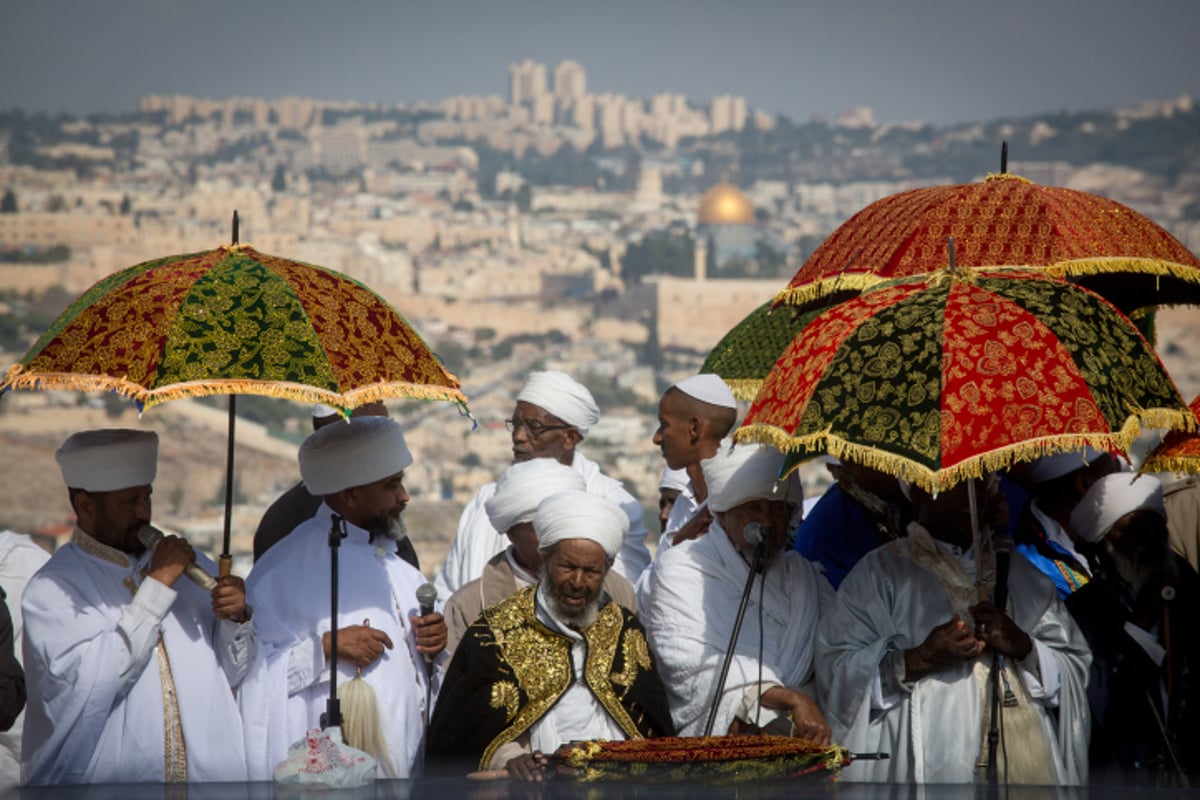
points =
(1047, 558)
(836, 534)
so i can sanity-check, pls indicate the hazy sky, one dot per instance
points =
(936, 60)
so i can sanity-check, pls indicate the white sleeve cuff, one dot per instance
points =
(155, 598)
(1041, 672)
(306, 663)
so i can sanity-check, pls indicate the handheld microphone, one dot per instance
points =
(150, 536)
(1004, 549)
(426, 596)
(753, 534)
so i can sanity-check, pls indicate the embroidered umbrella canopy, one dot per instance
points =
(1004, 220)
(746, 354)
(234, 321)
(1179, 451)
(952, 374)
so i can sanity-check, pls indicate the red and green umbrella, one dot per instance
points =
(746, 354)
(952, 374)
(1178, 452)
(234, 321)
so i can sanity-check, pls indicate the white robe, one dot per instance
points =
(19, 559)
(95, 712)
(288, 690)
(477, 541)
(889, 603)
(689, 612)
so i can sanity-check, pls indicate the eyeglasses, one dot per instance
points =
(534, 429)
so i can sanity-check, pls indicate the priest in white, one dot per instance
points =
(131, 671)
(553, 414)
(696, 587)
(357, 468)
(903, 658)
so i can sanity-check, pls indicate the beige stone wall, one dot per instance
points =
(694, 315)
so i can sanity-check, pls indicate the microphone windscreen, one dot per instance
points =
(427, 596)
(149, 536)
(753, 534)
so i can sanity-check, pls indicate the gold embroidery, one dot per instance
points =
(174, 747)
(99, 550)
(505, 695)
(637, 656)
(602, 637)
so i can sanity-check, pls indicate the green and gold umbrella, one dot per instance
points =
(746, 354)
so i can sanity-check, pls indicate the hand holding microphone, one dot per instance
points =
(430, 627)
(173, 557)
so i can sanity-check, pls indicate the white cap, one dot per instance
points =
(320, 410)
(1112, 497)
(708, 388)
(579, 515)
(356, 452)
(109, 459)
(1047, 468)
(524, 485)
(564, 397)
(676, 479)
(738, 473)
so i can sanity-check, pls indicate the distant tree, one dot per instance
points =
(56, 203)
(524, 198)
(279, 179)
(126, 206)
(8, 204)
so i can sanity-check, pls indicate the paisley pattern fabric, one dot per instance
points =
(1004, 220)
(713, 759)
(234, 320)
(945, 376)
(1179, 451)
(746, 354)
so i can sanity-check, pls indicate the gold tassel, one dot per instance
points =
(361, 728)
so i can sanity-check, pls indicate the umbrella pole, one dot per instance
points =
(225, 562)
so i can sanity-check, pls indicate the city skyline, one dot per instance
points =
(930, 60)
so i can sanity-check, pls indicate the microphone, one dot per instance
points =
(426, 596)
(150, 536)
(1004, 549)
(753, 534)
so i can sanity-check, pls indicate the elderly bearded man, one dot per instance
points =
(357, 468)
(521, 488)
(553, 415)
(131, 671)
(555, 662)
(692, 600)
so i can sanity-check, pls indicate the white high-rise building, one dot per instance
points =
(526, 82)
(570, 81)
(727, 113)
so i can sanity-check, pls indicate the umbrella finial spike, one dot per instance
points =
(1003, 157)
(950, 250)
(235, 226)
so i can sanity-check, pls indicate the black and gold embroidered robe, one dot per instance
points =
(510, 669)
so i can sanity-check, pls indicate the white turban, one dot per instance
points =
(109, 459)
(579, 515)
(742, 472)
(1111, 498)
(524, 485)
(1047, 468)
(564, 397)
(708, 388)
(356, 452)
(676, 479)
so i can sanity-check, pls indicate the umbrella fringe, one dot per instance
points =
(809, 292)
(1178, 464)
(1123, 265)
(18, 377)
(975, 467)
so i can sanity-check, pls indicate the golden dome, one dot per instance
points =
(724, 204)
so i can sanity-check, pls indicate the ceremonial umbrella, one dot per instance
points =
(952, 374)
(1178, 452)
(746, 354)
(1002, 221)
(234, 321)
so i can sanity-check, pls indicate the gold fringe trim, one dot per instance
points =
(1124, 265)
(823, 287)
(1188, 465)
(18, 378)
(976, 467)
(1006, 176)
(744, 389)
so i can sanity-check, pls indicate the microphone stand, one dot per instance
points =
(333, 707)
(737, 628)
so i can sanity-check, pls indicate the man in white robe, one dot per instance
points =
(552, 416)
(131, 672)
(519, 491)
(357, 468)
(693, 596)
(20, 558)
(903, 659)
